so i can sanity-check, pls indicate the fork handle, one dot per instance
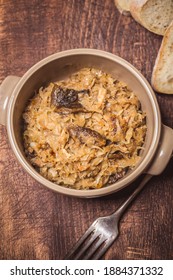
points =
(120, 211)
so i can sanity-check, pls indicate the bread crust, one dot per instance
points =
(125, 10)
(135, 9)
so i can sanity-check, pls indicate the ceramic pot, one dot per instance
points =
(16, 91)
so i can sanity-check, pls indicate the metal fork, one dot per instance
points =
(103, 232)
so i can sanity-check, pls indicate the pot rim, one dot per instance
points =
(141, 168)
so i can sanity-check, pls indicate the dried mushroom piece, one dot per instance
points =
(116, 155)
(87, 136)
(115, 177)
(66, 100)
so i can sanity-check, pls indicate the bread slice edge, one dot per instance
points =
(160, 83)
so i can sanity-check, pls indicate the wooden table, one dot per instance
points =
(36, 223)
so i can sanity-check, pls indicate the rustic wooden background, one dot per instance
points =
(36, 223)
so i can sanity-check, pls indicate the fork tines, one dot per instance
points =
(89, 246)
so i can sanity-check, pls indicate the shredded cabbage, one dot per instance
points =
(90, 148)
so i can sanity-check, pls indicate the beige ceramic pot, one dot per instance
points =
(15, 92)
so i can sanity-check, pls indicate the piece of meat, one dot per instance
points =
(66, 100)
(87, 136)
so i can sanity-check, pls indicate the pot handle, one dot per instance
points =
(6, 89)
(163, 153)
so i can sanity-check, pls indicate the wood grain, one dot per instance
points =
(37, 223)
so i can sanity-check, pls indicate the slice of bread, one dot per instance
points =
(123, 6)
(155, 15)
(162, 76)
